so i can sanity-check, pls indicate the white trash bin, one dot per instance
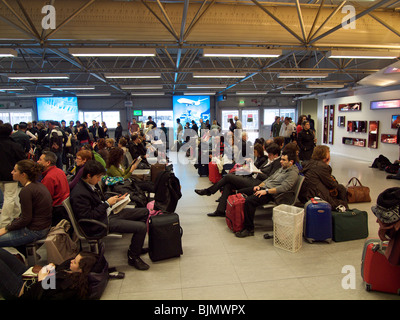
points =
(288, 227)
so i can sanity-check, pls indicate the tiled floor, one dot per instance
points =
(217, 265)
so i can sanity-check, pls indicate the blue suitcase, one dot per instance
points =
(317, 221)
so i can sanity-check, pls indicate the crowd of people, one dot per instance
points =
(291, 152)
(45, 163)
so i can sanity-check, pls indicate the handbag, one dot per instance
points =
(356, 192)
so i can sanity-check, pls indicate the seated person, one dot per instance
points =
(71, 279)
(36, 208)
(96, 156)
(88, 202)
(319, 181)
(56, 182)
(114, 169)
(283, 180)
(81, 158)
(233, 181)
(259, 157)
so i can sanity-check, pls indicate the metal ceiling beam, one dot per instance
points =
(277, 20)
(171, 31)
(385, 24)
(68, 19)
(358, 16)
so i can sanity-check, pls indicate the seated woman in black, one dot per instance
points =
(71, 278)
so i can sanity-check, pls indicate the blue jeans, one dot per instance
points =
(11, 270)
(21, 237)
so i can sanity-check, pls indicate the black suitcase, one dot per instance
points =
(202, 170)
(165, 237)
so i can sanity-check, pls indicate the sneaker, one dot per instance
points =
(244, 233)
(341, 208)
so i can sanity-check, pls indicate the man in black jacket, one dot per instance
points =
(10, 153)
(88, 202)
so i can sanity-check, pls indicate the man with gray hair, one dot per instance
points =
(56, 182)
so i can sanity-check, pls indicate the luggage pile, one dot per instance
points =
(323, 224)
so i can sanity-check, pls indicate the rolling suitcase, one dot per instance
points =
(165, 237)
(317, 221)
(349, 225)
(202, 170)
(378, 274)
(213, 173)
(234, 213)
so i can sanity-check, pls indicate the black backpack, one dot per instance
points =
(167, 192)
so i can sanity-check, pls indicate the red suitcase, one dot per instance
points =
(234, 213)
(213, 173)
(378, 274)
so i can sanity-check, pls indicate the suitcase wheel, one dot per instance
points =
(368, 287)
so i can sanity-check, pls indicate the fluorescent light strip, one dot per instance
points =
(251, 92)
(199, 93)
(147, 93)
(292, 75)
(218, 75)
(37, 76)
(8, 53)
(325, 86)
(242, 53)
(73, 88)
(206, 86)
(112, 52)
(100, 94)
(33, 95)
(141, 87)
(296, 92)
(132, 75)
(12, 89)
(361, 54)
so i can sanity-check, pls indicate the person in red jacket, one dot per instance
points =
(56, 182)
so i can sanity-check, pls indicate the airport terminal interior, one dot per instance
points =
(115, 61)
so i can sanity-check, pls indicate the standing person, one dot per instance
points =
(134, 127)
(195, 128)
(105, 129)
(299, 125)
(150, 122)
(22, 138)
(276, 127)
(312, 123)
(10, 153)
(306, 142)
(179, 130)
(82, 135)
(238, 123)
(118, 132)
(232, 125)
(57, 138)
(287, 129)
(36, 208)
